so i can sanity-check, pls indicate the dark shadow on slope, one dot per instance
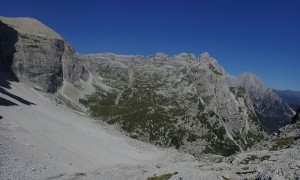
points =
(8, 39)
(21, 100)
(5, 102)
(1, 117)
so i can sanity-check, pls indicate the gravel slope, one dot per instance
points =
(44, 140)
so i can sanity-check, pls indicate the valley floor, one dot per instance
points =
(40, 139)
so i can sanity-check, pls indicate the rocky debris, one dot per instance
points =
(271, 110)
(19, 162)
(277, 156)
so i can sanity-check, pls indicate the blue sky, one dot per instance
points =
(260, 36)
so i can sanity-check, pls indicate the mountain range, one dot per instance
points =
(289, 96)
(184, 102)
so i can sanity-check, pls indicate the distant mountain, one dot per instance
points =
(289, 96)
(271, 110)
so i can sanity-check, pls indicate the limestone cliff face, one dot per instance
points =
(36, 54)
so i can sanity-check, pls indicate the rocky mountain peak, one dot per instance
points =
(204, 56)
(251, 81)
(211, 62)
(272, 111)
(160, 54)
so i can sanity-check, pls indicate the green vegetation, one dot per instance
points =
(215, 136)
(145, 110)
(149, 116)
(253, 118)
(281, 143)
(248, 139)
(213, 69)
(248, 159)
(292, 127)
(254, 158)
(142, 113)
(224, 148)
(162, 177)
(253, 138)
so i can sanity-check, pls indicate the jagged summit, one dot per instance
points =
(272, 111)
(161, 54)
(249, 80)
(204, 56)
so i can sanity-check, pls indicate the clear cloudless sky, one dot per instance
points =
(260, 36)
